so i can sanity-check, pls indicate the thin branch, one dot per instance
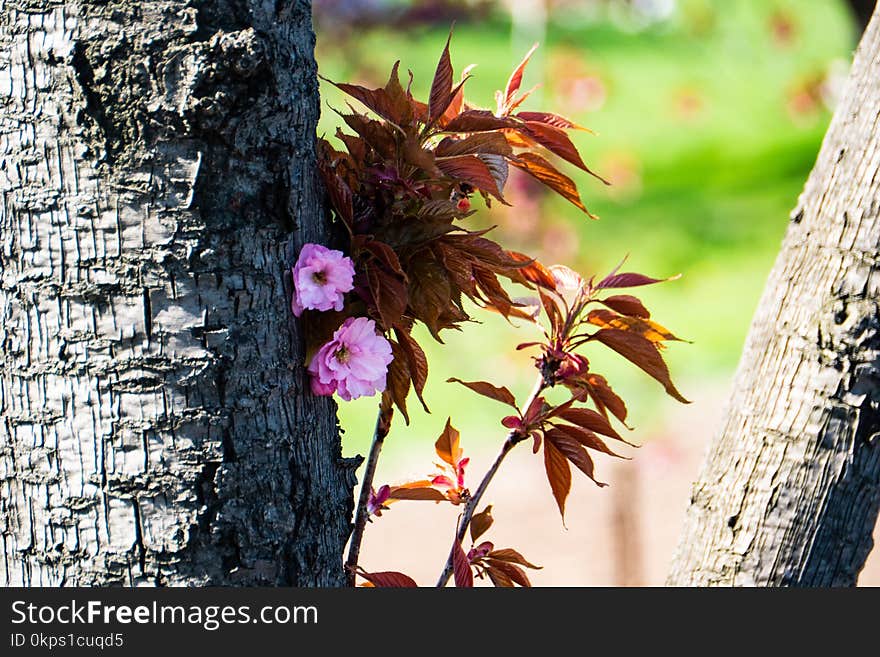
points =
(361, 514)
(471, 505)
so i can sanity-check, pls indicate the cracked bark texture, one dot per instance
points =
(790, 490)
(155, 424)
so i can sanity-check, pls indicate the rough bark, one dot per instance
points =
(790, 490)
(154, 159)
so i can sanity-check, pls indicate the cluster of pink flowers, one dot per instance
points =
(355, 362)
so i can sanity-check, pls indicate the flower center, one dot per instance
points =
(319, 277)
(342, 354)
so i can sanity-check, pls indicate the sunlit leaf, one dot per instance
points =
(645, 327)
(481, 522)
(511, 555)
(641, 352)
(479, 142)
(572, 450)
(626, 304)
(558, 474)
(425, 493)
(479, 121)
(558, 143)
(545, 173)
(501, 394)
(515, 80)
(587, 438)
(447, 445)
(630, 279)
(589, 419)
(549, 118)
(441, 87)
(511, 571)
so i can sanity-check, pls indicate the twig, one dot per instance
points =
(361, 514)
(471, 505)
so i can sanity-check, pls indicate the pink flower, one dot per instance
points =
(320, 279)
(354, 363)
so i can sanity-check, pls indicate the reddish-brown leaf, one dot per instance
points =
(355, 145)
(441, 87)
(572, 450)
(457, 102)
(551, 119)
(589, 419)
(551, 302)
(419, 157)
(392, 107)
(426, 493)
(398, 379)
(471, 169)
(389, 579)
(626, 304)
(604, 397)
(497, 165)
(479, 142)
(558, 474)
(378, 135)
(511, 571)
(382, 252)
(399, 100)
(629, 279)
(499, 578)
(645, 327)
(515, 80)
(557, 142)
(479, 121)
(340, 195)
(447, 445)
(416, 360)
(545, 173)
(430, 293)
(501, 394)
(464, 577)
(587, 438)
(641, 352)
(512, 556)
(495, 294)
(533, 271)
(481, 522)
(389, 294)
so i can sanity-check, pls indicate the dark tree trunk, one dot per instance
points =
(862, 10)
(156, 425)
(790, 490)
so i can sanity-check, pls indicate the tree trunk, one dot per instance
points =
(790, 490)
(862, 10)
(156, 425)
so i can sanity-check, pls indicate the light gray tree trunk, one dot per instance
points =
(790, 490)
(156, 429)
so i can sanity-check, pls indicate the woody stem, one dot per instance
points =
(471, 505)
(361, 514)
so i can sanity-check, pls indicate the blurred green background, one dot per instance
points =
(708, 115)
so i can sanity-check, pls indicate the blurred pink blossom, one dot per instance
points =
(320, 279)
(354, 363)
